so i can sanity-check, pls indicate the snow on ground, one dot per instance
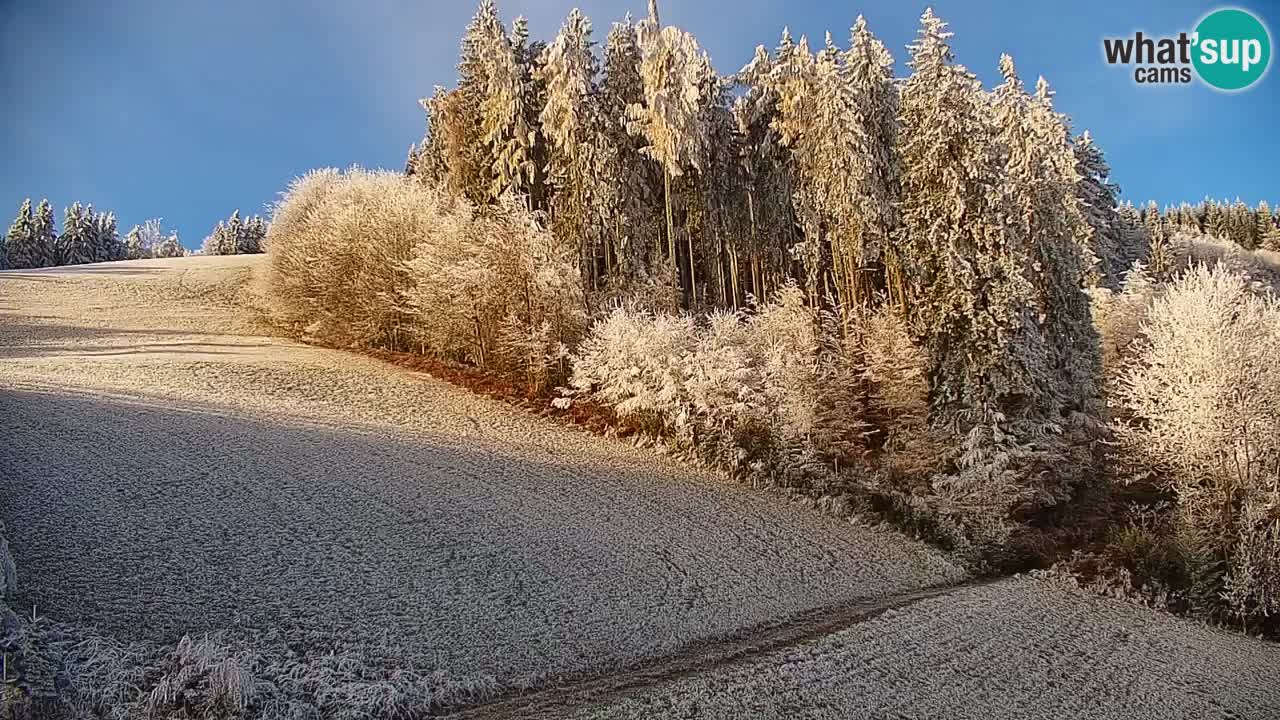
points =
(167, 469)
(1019, 649)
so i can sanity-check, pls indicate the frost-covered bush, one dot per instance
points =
(635, 361)
(337, 243)
(1119, 314)
(749, 384)
(1192, 249)
(373, 259)
(495, 289)
(896, 369)
(1203, 391)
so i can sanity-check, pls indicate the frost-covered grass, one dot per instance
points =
(253, 484)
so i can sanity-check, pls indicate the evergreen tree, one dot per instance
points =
(504, 119)
(46, 236)
(250, 238)
(1268, 228)
(106, 238)
(133, 246)
(569, 118)
(629, 184)
(971, 302)
(869, 69)
(22, 251)
(1243, 226)
(78, 243)
(1099, 197)
(767, 173)
(1160, 251)
(1062, 247)
(671, 71)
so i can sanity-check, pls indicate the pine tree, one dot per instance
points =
(970, 299)
(869, 68)
(1160, 251)
(106, 238)
(1243, 226)
(1099, 197)
(21, 247)
(252, 233)
(143, 240)
(78, 243)
(629, 183)
(470, 159)
(1268, 228)
(504, 120)
(769, 182)
(46, 236)
(133, 246)
(671, 71)
(1062, 252)
(817, 123)
(568, 69)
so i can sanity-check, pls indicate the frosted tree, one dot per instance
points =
(106, 238)
(252, 233)
(1100, 198)
(1040, 167)
(144, 240)
(223, 239)
(768, 177)
(1134, 243)
(719, 212)
(21, 248)
(813, 121)
(628, 191)
(46, 235)
(868, 67)
(671, 70)
(133, 247)
(1268, 228)
(78, 243)
(170, 247)
(1159, 243)
(971, 303)
(456, 143)
(568, 69)
(504, 121)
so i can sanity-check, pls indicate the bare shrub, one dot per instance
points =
(1253, 585)
(494, 289)
(1193, 249)
(1203, 389)
(338, 242)
(635, 361)
(1119, 314)
(757, 389)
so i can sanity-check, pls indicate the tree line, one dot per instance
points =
(89, 236)
(819, 275)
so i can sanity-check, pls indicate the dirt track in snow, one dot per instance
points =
(168, 468)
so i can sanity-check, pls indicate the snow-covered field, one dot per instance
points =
(166, 468)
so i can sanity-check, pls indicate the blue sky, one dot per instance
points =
(189, 109)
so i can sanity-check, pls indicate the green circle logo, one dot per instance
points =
(1232, 49)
